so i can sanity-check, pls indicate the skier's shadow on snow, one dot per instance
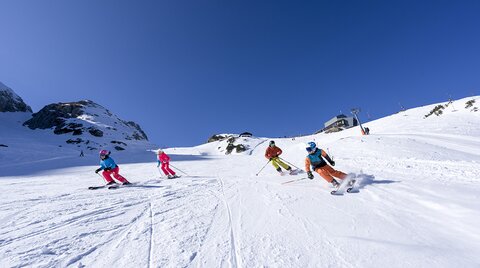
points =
(367, 179)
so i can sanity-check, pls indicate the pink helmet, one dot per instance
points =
(104, 152)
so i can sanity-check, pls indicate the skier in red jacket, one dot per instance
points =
(273, 154)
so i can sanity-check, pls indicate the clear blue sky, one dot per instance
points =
(185, 70)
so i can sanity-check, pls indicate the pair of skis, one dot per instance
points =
(110, 187)
(347, 185)
(116, 186)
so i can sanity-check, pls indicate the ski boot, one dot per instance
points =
(335, 183)
(126, 183)
(111, 183)
(291, 171)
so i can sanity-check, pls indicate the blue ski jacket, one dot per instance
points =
(108, 163)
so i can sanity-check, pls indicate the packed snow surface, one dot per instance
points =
(417, 204)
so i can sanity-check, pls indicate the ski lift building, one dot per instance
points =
(340, 121)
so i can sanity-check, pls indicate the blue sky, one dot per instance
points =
(185, 70)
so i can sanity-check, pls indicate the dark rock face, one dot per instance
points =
(75, 141)
(11, 102)
(216, 138)
(139, 134)
(231, 146)
(95, 132)
(119, 142)
(54, 115)
(81, 118)
(238, 148)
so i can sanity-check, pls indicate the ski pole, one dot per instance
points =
(103, 179)
(263, 168)
(328, 151)
(289, 163)
(179, 169)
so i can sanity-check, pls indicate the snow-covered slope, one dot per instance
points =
(417, 205)
(57, 134)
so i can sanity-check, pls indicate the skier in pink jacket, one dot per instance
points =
(164, 159)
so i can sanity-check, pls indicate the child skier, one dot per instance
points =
(272, 153)
(164, 159)
(316, 159)
(109, 167)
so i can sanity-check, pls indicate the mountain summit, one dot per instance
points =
(11, 102)
(92, 124)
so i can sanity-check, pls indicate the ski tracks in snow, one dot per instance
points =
(235, 259)
(131, 226)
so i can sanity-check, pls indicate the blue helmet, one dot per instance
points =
(311, 146)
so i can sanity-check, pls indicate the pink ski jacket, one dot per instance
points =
(163, 158)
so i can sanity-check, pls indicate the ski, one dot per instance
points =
(110, 187)
(351, 186)
(346, 185)
(96, 187)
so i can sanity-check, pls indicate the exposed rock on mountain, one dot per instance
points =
(11, 102)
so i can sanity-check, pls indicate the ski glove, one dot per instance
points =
(330, 160)
(310, 175)
(98, 170)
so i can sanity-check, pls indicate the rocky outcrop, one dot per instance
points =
(228, 143)
(138, 134)
(11, 102)
(96, 125)
(217, 137)
(55, 115)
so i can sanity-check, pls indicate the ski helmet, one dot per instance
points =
(311, 146)
(104, 152)
(272, 143)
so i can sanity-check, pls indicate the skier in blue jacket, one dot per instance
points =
(109, 167)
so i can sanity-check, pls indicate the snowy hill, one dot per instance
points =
(60, 131)
(87, 124)
(417, 203)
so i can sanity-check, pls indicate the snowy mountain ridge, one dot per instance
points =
(11, 102)
(88, 117)
(66, 128)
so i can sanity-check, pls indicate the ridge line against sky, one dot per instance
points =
(185, 70)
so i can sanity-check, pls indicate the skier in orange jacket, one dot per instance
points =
(316, 159)
(272, 153)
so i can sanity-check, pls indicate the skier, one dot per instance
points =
(164, 159)
(316, 159)
(272, 154)
(109, 167)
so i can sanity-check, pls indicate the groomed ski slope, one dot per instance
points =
(417, 205)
